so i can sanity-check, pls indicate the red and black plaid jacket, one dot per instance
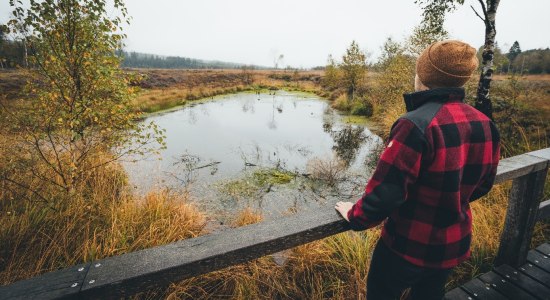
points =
(440, 156)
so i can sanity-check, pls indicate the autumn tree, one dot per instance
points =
(390, 49)
(433, 13)
(395, 78)
(353, 68)
(332, 74)
(77, 115)
(421, 37)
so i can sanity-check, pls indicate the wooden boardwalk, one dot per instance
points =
(529, 281)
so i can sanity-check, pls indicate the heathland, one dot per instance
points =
(69, 115)
(104, 217)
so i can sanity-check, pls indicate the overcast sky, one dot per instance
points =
(307, 31)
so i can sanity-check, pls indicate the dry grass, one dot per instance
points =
(100, 220)
(332, 268)
(247, 217)
(342, 103)
(528, 77)
(11, 82)
(163, 89)
(330, 171)
(160, 99)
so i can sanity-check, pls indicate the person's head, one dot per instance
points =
(447, 63)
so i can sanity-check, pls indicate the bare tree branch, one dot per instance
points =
(477, 14)
(28, 189)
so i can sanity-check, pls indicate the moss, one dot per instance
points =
(256, 183)
(359, 120)
(273, 176)
(241, 188)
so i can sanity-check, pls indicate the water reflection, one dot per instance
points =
(226, 139)
(348, 140)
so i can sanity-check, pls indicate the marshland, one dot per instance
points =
(99, 158)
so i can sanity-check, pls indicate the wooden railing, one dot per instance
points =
(139, 271)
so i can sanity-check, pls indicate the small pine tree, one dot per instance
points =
(354, 68)
(515, 50)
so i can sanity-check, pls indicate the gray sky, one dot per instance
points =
(306, 31)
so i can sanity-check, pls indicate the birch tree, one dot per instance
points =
(489, 11)
(434, 16)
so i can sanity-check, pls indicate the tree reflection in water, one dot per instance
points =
(347, 140)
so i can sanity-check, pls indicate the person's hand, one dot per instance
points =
(343, 208)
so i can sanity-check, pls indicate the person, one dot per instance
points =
(440, 156)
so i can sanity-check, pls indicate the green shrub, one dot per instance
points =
(362, 108)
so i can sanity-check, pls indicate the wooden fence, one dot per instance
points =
(127, 274)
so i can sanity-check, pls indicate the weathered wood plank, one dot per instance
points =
(479, 290)
(544, 211)
(540, 260)
(159, 266)
(543, 153)
(517, 166)
(544, 249)
(521, 216)
(60, 284)
(536, 273)
(457, 294)
(504, 286)
(535, 288)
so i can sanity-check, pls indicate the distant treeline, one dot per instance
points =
(532, 62)
(143, 60)
(536, 61)
(13, 53)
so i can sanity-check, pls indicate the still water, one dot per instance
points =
(215, 147)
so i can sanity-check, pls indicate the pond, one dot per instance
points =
(278, 152)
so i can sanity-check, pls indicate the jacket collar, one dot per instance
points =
(417, 99)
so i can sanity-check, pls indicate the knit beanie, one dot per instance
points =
(447, 63)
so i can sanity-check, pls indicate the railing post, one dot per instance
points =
(521, 216)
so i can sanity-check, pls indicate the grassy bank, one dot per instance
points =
(164, 89)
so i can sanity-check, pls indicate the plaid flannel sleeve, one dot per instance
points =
(397, 169)
(487, 182)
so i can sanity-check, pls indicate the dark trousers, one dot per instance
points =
(390, 275)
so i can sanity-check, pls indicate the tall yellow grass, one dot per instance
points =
(99, 221)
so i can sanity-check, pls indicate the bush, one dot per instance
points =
(342, 103)
(362, 108)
